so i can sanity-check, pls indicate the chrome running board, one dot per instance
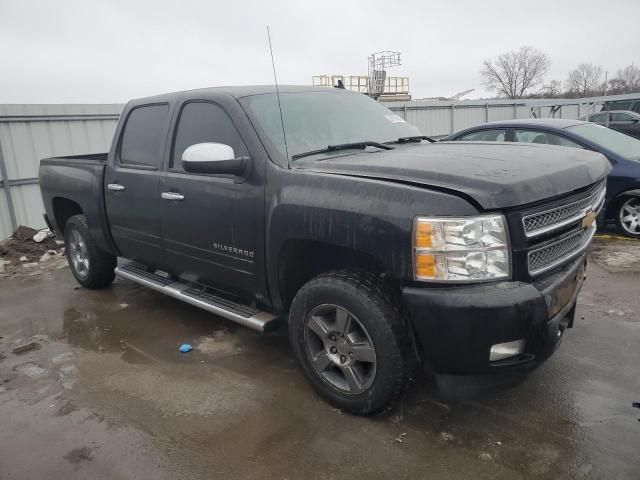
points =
(186, 292)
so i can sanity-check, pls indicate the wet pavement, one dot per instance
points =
(107, 395)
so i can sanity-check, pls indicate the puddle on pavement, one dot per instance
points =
(115, 353)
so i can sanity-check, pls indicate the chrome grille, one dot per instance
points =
(560, 251)
(555, 218)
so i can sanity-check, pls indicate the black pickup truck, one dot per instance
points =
(383, 251)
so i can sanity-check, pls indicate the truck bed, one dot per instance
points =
(75, 159)
(75, 184)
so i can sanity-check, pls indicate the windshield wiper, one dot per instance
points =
(344, 146)
(415, 138)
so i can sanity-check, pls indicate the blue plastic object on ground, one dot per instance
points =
(185, 347)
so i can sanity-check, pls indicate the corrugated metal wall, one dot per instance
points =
(441, 118)
(29, 133)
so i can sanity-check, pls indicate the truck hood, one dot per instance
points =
(494, 175)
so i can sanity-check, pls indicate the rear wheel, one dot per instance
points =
(92, 267)
(350, 339)
(628, 216)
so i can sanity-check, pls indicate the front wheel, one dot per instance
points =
(350, 339)
(628, 216)
(92, 267)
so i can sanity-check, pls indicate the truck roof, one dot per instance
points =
(240, 91)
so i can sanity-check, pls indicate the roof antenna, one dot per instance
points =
(273, 64)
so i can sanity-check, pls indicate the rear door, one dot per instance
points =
(132, 179)
(212, 224)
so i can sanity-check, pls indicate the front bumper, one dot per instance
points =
(456, 326)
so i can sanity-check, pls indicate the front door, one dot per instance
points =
(132, 182)
(210, 223)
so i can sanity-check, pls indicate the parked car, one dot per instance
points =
(632, 105)
(623, 183)
(622, 121)
(382, 250)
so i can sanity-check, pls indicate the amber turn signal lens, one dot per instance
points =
(425, 265)
(423, 235)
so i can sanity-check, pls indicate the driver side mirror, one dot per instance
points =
(213, 158)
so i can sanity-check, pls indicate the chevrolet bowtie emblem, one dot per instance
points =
(589, 218)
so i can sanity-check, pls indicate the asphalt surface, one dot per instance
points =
(106, 394)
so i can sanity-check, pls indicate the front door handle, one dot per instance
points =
(115, 187)
(171, 196)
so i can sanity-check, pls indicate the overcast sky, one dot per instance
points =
(87, 51)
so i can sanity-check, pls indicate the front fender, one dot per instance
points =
(371, 216)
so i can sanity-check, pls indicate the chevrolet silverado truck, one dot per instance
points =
(382, 251)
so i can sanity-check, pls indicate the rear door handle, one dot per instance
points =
(171, 196)
(115, 187)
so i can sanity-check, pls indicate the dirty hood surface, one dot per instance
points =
(495, 175)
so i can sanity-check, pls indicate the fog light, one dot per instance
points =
(500, 351)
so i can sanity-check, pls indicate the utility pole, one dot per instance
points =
(606, 81)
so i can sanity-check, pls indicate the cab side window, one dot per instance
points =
(202, 122)
(144, 136)
(545, 138)
(622, 118)
(495, 135)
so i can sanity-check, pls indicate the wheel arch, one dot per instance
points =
(63, 209)
(300, 260)
(634, 192)
(615, 211)
(615, 201)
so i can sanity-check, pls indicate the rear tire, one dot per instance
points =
(348, 334)
(92, 267)
(627, 214)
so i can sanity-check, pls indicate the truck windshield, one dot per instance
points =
(315, 120)
(619, 143)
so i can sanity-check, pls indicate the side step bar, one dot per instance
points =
(242, 314)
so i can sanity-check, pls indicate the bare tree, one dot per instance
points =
(584, 79)
(617, 86)
(630, 75)
(513, 73)
(553, 89)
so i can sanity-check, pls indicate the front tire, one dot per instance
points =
(348, 335)
(92, 267)
(628, 216)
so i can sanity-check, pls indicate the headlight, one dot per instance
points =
(467, 249)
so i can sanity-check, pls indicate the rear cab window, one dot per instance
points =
(144, 136)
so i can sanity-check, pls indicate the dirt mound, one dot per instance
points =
(21, 249)
(24, 233)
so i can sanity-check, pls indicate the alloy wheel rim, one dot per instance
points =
(630, 216)
(340, 349)
(79, 254)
